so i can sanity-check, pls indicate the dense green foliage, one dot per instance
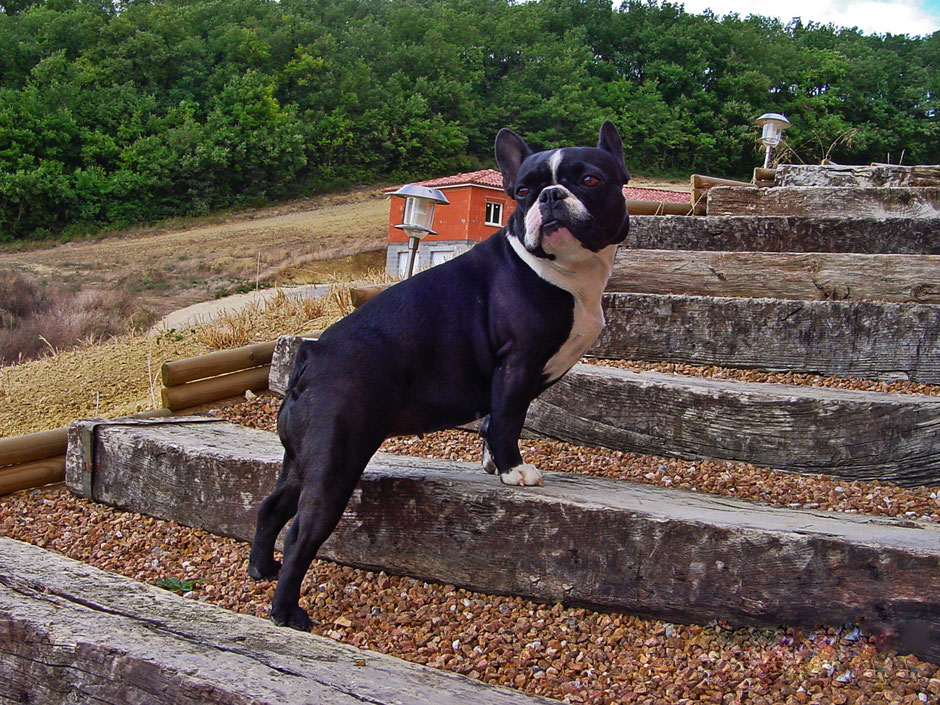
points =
(114, 114)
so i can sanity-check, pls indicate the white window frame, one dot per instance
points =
(498, 208)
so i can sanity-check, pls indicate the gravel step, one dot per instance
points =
(674, 554)
(844, 201)
(72, 633)
(852, 434)
(860, 339)
(785, 234)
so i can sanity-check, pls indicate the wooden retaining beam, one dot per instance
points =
(204, 379)
(71, 633)
(831, 201)
(584, 540)
(862, 339)
(873, 176)
(846, 433)
(176, 372)
(36, 459)
(912, 236)
(851, 434)
(658, 208)
(807, 276)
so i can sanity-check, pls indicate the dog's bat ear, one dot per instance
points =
(511, 151)
(610, 142)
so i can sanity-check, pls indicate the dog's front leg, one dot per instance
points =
(514, 387)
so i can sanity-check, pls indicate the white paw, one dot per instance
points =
(525, 475)
(488, 463)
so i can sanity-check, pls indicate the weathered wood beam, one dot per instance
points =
(828, 201)
(913, 236)
(859, 176)
(70, 633)
(807, 276)
(863, 339)
(669, 553)
(851, 434)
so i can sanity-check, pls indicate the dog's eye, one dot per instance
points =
(590, 181)
(523, 191)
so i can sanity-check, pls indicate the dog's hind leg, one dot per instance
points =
(273, 513)
(329, 479)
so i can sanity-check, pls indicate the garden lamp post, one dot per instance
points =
(418, 216)
(773, 125)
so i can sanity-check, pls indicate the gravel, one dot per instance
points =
(572, 654)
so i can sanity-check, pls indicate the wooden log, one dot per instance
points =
(787, 234)
(700, 186)
(36, 459)
(862, 339)
(190, 369)
(33, 446)
(851, 434)
(604, 543)
(657, 208)
(360, 294)
(215, 388)
(807, 276)
(874, 176)
(33, 474)
(834, 201)
(70, 633)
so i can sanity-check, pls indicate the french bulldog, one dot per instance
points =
(478, 337)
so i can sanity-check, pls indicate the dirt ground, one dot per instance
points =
(173, 267)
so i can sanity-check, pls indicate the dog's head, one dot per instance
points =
(569, 201)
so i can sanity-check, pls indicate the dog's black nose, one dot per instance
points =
(551, 195)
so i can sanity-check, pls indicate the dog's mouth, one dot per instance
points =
(550, 226)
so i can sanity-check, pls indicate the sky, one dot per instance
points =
(914, 17)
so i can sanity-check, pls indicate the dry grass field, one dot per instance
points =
(172, 267)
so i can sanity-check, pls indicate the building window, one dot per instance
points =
(494, 214)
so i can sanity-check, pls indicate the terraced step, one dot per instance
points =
(75, 634)
(807, 233)
(861, 339)
(844, 201)
(851, 434)
(876, 175)
(605, 543)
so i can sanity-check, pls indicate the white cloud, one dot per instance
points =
(870, 16)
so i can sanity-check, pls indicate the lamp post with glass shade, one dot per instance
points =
(773, 125)
(418, 216)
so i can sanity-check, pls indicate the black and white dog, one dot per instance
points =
(478, 337)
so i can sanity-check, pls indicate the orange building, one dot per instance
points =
(478, 208)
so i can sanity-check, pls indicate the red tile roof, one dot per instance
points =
(492, 178)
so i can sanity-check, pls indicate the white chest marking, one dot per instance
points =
(583, 278)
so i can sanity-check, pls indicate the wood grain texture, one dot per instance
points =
(807, 276)
(786, 234)
(825, 201)
(70, 633)
(851, 434)
(862, 339)
(581, 540)
(859, 176)
(221, 362)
